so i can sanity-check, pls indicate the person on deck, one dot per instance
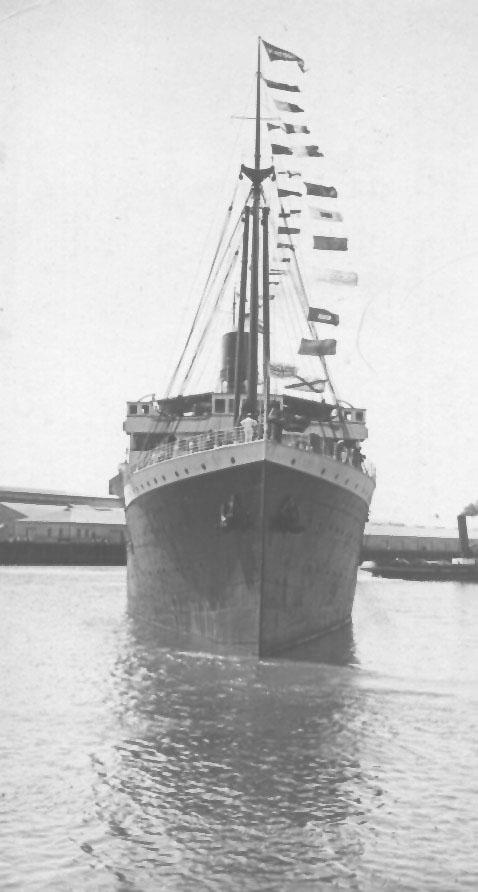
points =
(358, 457)
(249, 425)
(275, 424)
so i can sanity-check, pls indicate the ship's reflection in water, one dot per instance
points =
(128, 766)
(284, 774)
(234, 773)
(337, 649)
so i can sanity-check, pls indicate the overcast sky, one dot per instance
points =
(118, 155)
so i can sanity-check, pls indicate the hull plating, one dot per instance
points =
(258, 557)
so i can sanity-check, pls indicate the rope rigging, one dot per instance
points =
(205, 292)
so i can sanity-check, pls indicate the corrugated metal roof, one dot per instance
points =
(68, 514)
(397, 529)
(53, 497)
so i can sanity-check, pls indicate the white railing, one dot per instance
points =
(200, 443)
(233, 436)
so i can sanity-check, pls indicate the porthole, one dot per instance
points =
(177, 473)
(293, 461)
(336, 477)
(164, 478)
(148, 483)
(186, 471)
(203, 466)
(155, 480)
(323, 471)
(233, 461)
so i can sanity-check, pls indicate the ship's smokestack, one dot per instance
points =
(471, 510)
(228, 363)
(463, 534)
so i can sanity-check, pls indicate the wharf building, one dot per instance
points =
(39, 516)
(50, 526)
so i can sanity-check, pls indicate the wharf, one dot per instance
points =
(385, 541)
(41, 526)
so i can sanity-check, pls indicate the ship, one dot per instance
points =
(246, 500)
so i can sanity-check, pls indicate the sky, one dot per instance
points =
(118, 156)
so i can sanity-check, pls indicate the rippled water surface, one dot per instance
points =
(126, 766)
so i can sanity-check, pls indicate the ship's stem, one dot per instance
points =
(254, 307)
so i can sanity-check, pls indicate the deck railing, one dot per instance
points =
(236, 435)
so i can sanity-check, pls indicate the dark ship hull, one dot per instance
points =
(428, 571)
(254, 547)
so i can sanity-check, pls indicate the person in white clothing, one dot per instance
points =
(249, 425)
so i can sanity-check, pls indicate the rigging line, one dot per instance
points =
(202, 299)
(205, 292)
(209, 328)
(290, 311)
(297, 310)
(205, 327)
(201, 254)
(239, 133)
(305, 305)
(220, 266)
(233, 234)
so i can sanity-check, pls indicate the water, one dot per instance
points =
(130, 767)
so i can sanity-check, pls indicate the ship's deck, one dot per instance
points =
(218, 451)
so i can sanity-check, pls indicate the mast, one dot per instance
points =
(266, 349)
(239, 364)
(254, 306)
(256, 175)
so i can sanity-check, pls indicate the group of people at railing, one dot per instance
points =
(347, 452)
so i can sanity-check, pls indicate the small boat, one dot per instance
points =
(246, 499)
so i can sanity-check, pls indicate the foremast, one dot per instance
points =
(256, 176)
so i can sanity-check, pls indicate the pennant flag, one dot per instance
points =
(284, 245)
(327, 243)
(285, 259)
(272, 283)
(274, 127)
(274, 85)
(295, 128)
(295, 211)
(318, 315)
(281, 370)
(290, 173)
(287, 106)
(286, 230)
(317, 348)
(284, 214)
(277, 272)
(283, 193)
(317, 386)
(325, 191)
(308, 152)
(281, 150)
(276, 54)
(321, 214)
(337, 277)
